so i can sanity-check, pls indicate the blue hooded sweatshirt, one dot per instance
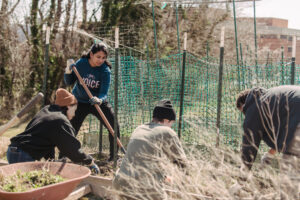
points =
(97, 79)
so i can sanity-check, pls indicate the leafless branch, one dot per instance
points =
(95, 11)
(12, 9)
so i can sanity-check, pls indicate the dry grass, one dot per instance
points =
(219, 176)
(215, 173)
(11, 132)
(15, 130)
(4, 142)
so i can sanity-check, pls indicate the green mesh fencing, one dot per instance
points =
(143, 82)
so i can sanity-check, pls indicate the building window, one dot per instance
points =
(283, 37)
(269, 36)
(290, 49)
(290, 38)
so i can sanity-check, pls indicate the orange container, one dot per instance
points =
(71, 172)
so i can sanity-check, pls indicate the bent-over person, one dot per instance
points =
(272, 115)
(48, 129)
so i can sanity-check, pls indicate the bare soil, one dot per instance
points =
(106, 167)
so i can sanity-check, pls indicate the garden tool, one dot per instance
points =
(24, 110)
(98, 109)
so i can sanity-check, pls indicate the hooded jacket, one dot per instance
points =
(272, 116)
(48, 129)
(97, 79)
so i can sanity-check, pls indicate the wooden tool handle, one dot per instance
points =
(24, 110)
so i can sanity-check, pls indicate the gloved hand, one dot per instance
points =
(267, 158)
(70, 63)
(94, 168)
(95, 100)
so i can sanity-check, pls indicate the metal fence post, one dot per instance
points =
(46, 60)
(148, 75)
(242, 65)
(282, 66)
(116, 93)
(154, 32)
(255, 39)
(177, 26)
(207, 84)
(220, 86)
(236, 45)
(293, 61)
(182, 85)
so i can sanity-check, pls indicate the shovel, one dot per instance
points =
(112, 132)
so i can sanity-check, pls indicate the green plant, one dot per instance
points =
(22, 182)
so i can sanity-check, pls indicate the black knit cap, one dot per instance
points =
(164, 110)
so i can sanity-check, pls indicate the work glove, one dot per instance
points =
(95, 100)
(70, 64)
(267, 158)
(94, 168)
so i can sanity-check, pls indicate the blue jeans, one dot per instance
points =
(16, 155)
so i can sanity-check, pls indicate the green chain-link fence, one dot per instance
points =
(143, 82)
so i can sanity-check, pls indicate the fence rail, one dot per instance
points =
(144, 82)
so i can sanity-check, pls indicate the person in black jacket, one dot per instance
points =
(271, 115)
(50, 128)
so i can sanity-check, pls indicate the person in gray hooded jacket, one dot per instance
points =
(141, 174)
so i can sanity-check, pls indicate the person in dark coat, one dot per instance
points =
(271, 115)
(48, 129)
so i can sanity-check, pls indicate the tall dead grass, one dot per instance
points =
(216, 173)
(4, 142)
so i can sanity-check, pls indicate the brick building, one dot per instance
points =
(274, 34)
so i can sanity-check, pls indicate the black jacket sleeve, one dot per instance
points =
(68, 145)
(250, 145)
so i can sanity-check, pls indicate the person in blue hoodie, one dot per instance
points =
(95, 71)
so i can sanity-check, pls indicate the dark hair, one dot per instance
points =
(96, 48)
(241, 99)
(155, 119)
(64, 110)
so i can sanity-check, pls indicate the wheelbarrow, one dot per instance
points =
(71, 172)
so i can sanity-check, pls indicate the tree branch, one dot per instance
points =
(12, 9)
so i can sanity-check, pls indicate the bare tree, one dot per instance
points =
(51, 13)
(84, 14)
(66, 26)
(57, 18)
(35, 54)
(6, 74)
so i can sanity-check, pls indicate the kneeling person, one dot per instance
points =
(50, 128)
(141, 172)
